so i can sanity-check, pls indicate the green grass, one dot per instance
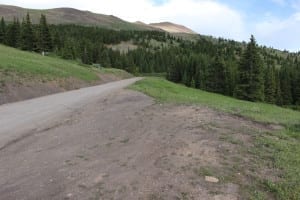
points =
(166, 91)
(33, 65)
(284, 152)
(279, 149)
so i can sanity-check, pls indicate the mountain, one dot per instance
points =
(79, 17)
(72, 16)
(172, 28)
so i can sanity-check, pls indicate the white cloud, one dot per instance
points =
(206, 17)
(280, 2)
(280, 33)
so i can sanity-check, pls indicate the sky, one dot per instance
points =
(274, 23)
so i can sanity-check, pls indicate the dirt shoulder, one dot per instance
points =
(127, 146)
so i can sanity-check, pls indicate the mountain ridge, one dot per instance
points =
(66, 15)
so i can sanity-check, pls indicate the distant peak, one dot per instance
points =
(140, 22)
(172, 27)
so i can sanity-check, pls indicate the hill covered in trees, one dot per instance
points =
(245, 71)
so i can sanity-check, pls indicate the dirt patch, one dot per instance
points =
(126, 146)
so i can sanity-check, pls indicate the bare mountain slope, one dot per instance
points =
(74, 16)
(71, 16)
(172, 28)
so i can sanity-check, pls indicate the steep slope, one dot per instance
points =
(172, 28)
(71, 16)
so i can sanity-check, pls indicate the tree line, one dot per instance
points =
(26, 36)
(244, 71)
(248, 73)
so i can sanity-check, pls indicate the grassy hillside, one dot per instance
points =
(71, 16)
(170, 92)
(26, 64)
(277, 150)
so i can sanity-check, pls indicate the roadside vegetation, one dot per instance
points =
(278, 150)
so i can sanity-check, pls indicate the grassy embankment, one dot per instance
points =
(16, 64)
(280, 150)
(32, 65)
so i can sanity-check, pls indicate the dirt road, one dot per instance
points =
(120, 145)
(19, 119)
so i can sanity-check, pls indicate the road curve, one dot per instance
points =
(22, 118)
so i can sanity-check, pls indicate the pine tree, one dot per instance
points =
(296, 87)
(285, 85)
(250, 85)
(68, 51)
(85, 56)
(193, 83)
(2, 30)
(174, 71)
(12, 36)
(278, 94)
(197, 78)
(270, 85)
(216, 79)
(27, 35)
(231, 76)
(44, 39)
(86, 53)
(185, 79)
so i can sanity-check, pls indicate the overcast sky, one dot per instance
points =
(274, 23)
